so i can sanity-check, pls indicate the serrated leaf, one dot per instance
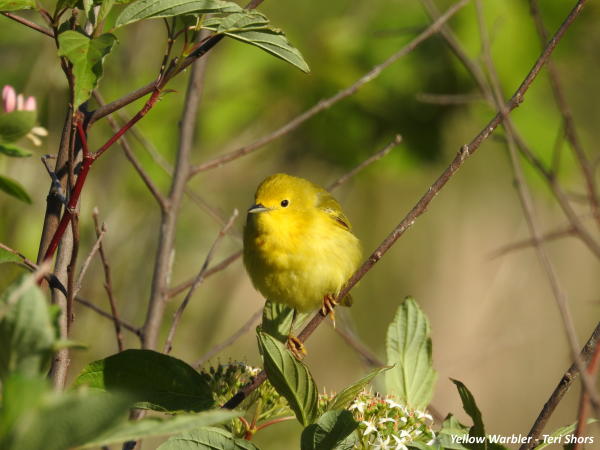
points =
(87, 56)
(290, 378)
(343, 399)
(334, 430)
(14, 189)
(207, 438)
(563, 431)
(153, 9)
(156, 381)
(8, 257)
(16, 124)
(16, 5)
(158, 426)
(60, 420)
(252, 29)
(451, 433)
(277, 320)
(412, 379)
(26, 330)
(14, 151)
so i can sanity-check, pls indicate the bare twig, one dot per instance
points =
(370, 358)
(329, 102)
(527, 204)
(197, 281)
(561, 389)
(584, 403)
(122, 323)
(28, 23)
(569, 122)
(526, 243)
(448, 99)
(376, 157)
(100, 230)
(217, 268)
(421, 206)
(158, 196)
(247, 326)
(87, 261)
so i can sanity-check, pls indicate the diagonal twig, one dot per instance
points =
(28, 23)
(87, 261)
(197, 281)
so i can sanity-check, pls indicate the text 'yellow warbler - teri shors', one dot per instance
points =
(298, 245)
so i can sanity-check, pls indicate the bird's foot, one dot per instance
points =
(296, 347)
(329, 303)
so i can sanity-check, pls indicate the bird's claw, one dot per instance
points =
(329, 303)
(296, 347)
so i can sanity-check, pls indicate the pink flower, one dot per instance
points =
(11, 101)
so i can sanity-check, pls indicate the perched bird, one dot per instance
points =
(298, 246)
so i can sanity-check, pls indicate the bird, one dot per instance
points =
(299, 248)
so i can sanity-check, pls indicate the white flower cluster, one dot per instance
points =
(386, 424)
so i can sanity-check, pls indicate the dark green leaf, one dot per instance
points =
(157, 426)
(26, 329)
(16, 124)
(334, 430)
(152, 9)
(60, 420)
(156, 381)
(348, 394)
(207, 438)
(252, 28)
(15, 5)
(290, 378)
(8, 257)
(87, 56)
(412, 379)
(14, 151)
(13, 188)
(451, 434)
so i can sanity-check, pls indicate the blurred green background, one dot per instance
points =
(494, 321)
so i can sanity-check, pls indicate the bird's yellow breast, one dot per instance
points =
(298, 256)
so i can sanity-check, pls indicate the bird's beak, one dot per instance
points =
(258, 208)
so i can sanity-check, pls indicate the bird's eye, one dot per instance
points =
(284, 203)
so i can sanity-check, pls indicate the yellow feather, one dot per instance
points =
(298, 244)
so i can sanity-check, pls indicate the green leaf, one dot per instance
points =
(105, 8)
(14, 189)
(157, 426)
(59, 420)
(15, 5)
(157, 381)
(26, 329)
(8, 257)
(277, 320)
(87, 56)
(290, 378)
(207, 438)
(252, 28)
(561, 432)
(14, 151)
(412, 379)
(153, 9)
(16, 124)
(348, 394)
(333, 430)
(452, 432)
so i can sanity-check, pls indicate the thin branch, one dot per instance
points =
(526, 243)
(28, 23)
(158, 196)
(100, 230)
(122, 323)
(217, 268)
(247, 326)
(448, 99)
(197, 281)
(421, 206)
(370, 358)
(569, 122)
(376, 157)
(584, 403)
(561, 389)
(87, 261)
(329, 102)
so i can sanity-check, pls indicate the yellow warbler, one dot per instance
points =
(298, 245)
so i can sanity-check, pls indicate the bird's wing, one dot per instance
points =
(330, 206)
